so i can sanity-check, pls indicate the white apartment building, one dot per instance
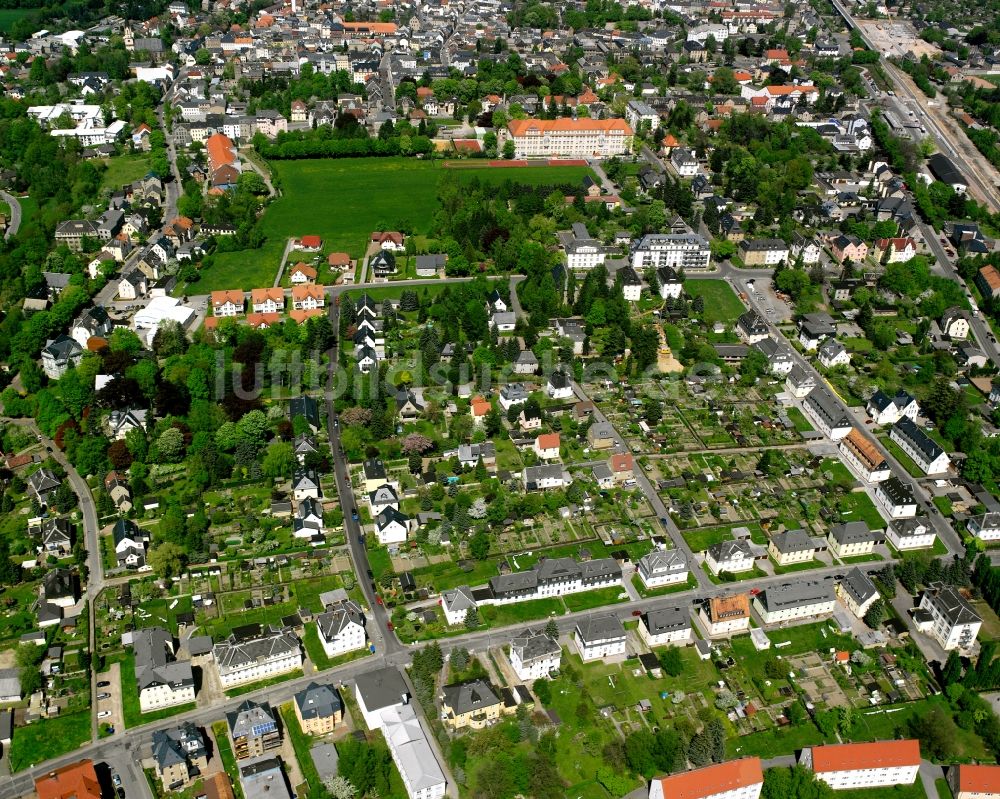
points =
(259, 655)
(662, 567)
(791, 601)
(910, 534)
(985, 527)
(665, 626)
(734, 779)
(730, 556)
(864, 458)
(600, 636)
(974, 782)
(412, 753)
(341, 629)
(534, 655)
(456, 603)
(830, 418)
(870, 765)
(677, 250)
(954, 624)
(857, 592)
(726, 615)
(569, 138)
(896, 498)
(924, 450)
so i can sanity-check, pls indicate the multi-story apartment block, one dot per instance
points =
(726, 615)
(665, 626)
(922, 449)
(953, 622)
(253, 728)
(827, 413)
(676, 250)
(569, 138)
(863, 456)
(869, 765)
(253, 652)
(341, 629)
(792, 601)
(600, 636)
(662, 567)
(734, 779)
(533, 655)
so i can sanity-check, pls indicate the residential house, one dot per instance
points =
(827, 413)
(55, 537)
(848, 248)
(734, 779)
(253, 653)
(130, 542)
(857, 591)
(378, 690)
(732, 556)
(383, 497)
(42, 485)
(319, 709)
(884, 409)
(162, 681)
(895, 250)
(526, 363)
(832, 354)
(954, 624)
(969, 781)
(792, 546)
(228, 303)
(470, 705)
(601, 435)
(341, 629)
(180, 756)
(800, 382)
(801, 599)
(666, 626)
(373, 470)
(662, 567)
(988, 282)
(305, 485)
(254, 729)
(599, 636)
(74, 781)
(456, 603)
(308, 297)
(910, 534)
(925, 452)
(546, 446)
(391, 527)
(985, 527)
(751, 327)
(540, 478)
(763, 252)
(864, 457)
(954, 324)
(559, 386)
(726, 615)
(850, 539)
(307, 407)
(534, 655)
(59, 354)
(866, 765)
(269, 300)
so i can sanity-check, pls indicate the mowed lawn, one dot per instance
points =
(721, 302)
(124, 169)
(343, 200)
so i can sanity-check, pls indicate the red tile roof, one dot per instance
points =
(979, 779)
(711, 780)
(76, 781)
(311, 241)
(520, 127)
(850, 757)
(548, 441)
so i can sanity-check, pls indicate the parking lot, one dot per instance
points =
(112, 704)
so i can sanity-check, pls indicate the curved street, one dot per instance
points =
(14, 223)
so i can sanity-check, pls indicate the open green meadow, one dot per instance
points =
(343, 200)
(124, 169)
(8, 16)
(721, 302)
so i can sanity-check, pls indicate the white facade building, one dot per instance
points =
(600, 637)
(868, 765)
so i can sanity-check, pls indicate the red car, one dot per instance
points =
(389, 626)
(754, 591)
(378, 600)
(636, 612)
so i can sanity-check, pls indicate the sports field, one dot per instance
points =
(343, 200)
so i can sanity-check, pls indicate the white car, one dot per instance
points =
(104, 714)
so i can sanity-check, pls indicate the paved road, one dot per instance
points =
(15, 214)
(171, 187)
(91, 531)
(659, 509)
(944, 530)
(952, 141)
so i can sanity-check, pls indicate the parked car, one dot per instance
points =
(104, 714)
(104, 696)
(103, 684)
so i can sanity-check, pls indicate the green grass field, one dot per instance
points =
(721, 302)
(344, 200)
(124, 169)
(8, 16)
(50, 738)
